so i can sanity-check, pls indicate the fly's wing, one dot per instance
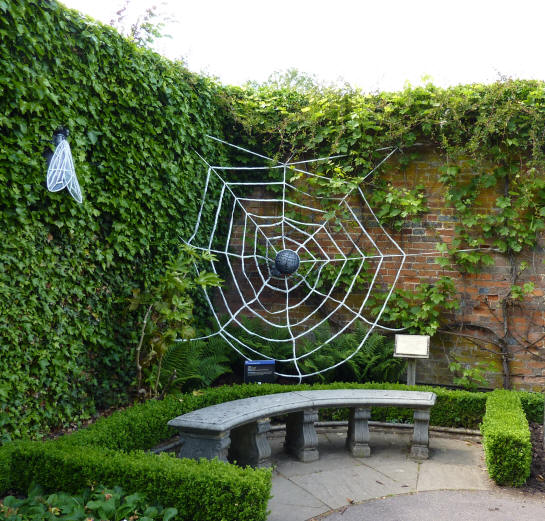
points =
(61, 168)
(61, 172)
(74, 189)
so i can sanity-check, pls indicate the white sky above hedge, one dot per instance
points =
(375, 45)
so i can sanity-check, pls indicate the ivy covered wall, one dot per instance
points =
(66, 270)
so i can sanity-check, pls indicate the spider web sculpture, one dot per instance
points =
(295, 256)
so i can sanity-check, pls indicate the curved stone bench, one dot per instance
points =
(237, 430)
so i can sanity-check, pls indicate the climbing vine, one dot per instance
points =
(66, 270)
(491, 140)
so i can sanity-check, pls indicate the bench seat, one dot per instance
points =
(237, 430)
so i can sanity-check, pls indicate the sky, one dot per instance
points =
(373, 45)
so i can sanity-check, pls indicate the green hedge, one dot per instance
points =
(110, 452)
(532, 404)
(67, 269)
(144, 425)
(506, 439)
(202, 490)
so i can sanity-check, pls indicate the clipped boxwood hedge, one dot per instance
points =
(506, 439)
(143, 426)
(201, 491)
(532, 403)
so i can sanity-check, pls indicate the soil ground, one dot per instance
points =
(536, 483)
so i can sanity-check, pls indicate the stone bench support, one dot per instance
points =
(249, 444)
(207, 445)
(301, 438)
(237, 431)
(421, 440)
(357, 439)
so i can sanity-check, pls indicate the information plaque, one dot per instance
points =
(260, 371)
(412, 346)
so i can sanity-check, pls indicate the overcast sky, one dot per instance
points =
(377, 45)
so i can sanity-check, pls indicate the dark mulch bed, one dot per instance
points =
(536, 483)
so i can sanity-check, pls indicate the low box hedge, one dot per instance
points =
(532, 403)
(143, 426)
(506, 439)
(200, 490)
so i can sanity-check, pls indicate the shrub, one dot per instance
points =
(199, 490)
(532, 403)
(374, 362)
(144, 425)
(506, 439)
(110, 451)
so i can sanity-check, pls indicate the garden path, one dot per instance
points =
(333, 486)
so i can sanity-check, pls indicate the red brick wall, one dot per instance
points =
(479, 295)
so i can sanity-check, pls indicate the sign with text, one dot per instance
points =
(412, 346)
(259, 371)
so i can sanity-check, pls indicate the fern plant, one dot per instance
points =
(190, 365)
(373, 362)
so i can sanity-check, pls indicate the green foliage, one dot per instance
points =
(496, 132)
(66, 270)
(374, 362)
(197, 490)
(394, 206)
(470, 377)
(506, 439)
(419, 310)
(97, 502)
(190, 365)
(518, 292)
(134, 118)
(532, 403)
(169, 317)
(144, 425)
(110, 451)
(341, 275)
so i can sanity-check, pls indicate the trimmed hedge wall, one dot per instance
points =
(532, 404)
(66, 270)
(201, 491)
(506, 439)
(143, 426)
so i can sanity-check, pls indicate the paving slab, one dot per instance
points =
(292, 498)
(445, 505)
(338, 480)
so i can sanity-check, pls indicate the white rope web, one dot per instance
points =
(293, 219)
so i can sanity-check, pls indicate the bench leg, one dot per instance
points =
(250, 446)
(357, 439)
(420, 443)
(204, 445)
(301, 437)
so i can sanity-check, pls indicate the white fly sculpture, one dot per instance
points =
(280, 246)
(61, 172)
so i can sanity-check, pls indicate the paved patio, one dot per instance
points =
(331, 487)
